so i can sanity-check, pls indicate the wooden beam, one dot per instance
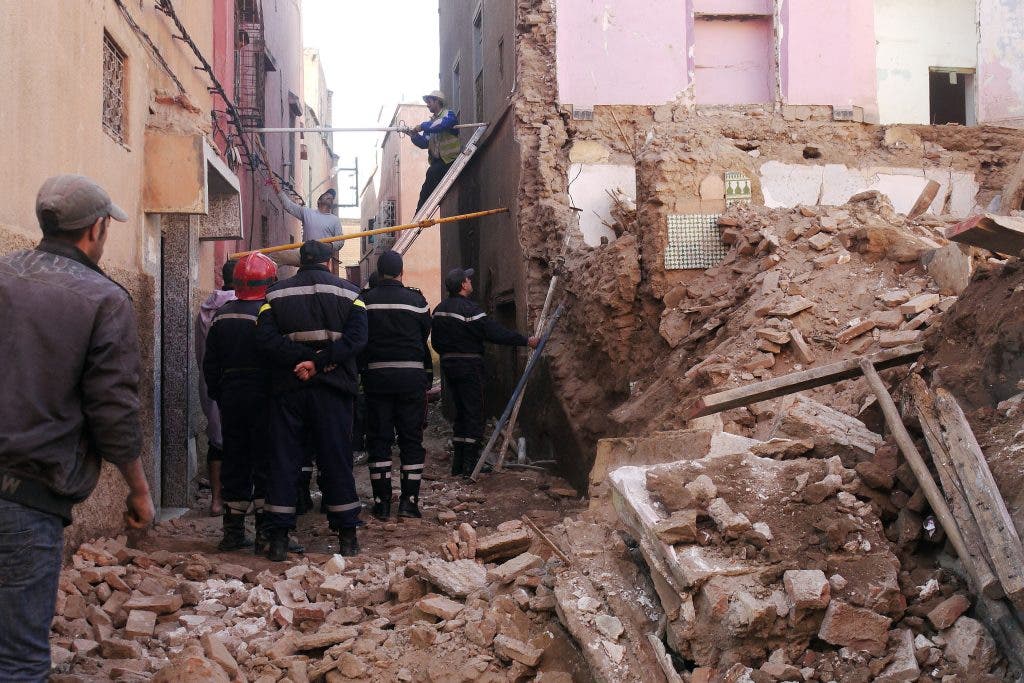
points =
(798, 381)
(914, 459)
(1001, 234)
(997, 530)
(972, 555)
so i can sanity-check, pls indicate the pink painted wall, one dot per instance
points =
(1000, 81)
(621, 52)
(732, 61)
(828, 53)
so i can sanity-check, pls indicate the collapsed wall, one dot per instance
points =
(631, 337)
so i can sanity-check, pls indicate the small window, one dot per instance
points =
(113, 89)
(456, 103)
(388, 218)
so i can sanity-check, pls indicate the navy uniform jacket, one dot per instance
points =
(314, 316)
(396, 358)
(460, 326)
(233, 361)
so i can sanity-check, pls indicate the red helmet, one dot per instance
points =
(253, 274)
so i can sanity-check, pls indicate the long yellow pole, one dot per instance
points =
(379, 231)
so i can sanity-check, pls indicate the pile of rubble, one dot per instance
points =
(797, 288)
(770, 561)
(124, 614)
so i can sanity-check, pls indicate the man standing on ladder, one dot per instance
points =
(458, 332)
(441, 140)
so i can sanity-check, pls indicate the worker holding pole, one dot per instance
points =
(439, 137)
(458, 331)
(316, 224)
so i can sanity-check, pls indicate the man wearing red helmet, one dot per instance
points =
(239, 381)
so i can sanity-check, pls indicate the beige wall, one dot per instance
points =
(403, 167)
(52, 85)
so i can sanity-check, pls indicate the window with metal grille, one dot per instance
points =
(113, 89)
(478, 64)
(388, 218)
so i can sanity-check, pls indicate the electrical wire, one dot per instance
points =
(150, 45)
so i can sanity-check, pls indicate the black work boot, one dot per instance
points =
(471, 458)
(348, 544)
(407, 507)
(234, 532)
(381, 498)
(278, 541)
(458, 457)
(381, 508)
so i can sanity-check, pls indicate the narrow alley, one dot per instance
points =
(677, 341)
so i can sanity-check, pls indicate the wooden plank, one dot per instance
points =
(914, 459)
(1001, 234)
(997, 530)
(798, 381)
(972, 555)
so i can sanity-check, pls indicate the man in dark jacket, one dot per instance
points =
(312, 327)
(458, 332)
(68, 400)
(397, 371)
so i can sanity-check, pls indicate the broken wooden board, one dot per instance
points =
(997, 529)
(1001, 234)
(799, 381)
(976, 563)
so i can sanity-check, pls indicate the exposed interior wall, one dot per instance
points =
(590, 185)
(621, 52)
(827, 54)
(905, 52)
(1000, 53)
(733, 60)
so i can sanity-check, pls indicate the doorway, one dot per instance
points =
(951, 96)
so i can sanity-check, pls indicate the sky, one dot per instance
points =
(375, 55)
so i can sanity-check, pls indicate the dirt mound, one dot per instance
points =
(978, 351)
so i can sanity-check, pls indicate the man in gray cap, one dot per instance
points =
(68, 400)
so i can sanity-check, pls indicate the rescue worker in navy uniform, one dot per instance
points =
(397, 371)
(458, 332)
(312, 327)
(239, 381)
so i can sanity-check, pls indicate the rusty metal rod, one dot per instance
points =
(379, 231)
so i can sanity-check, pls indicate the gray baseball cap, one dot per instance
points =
(76, 202)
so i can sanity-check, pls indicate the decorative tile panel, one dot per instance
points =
(737, 188)
(694, 241)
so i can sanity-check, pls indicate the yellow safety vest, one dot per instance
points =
(444, 145)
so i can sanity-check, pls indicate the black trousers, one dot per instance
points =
(435, 172)
(465, 378)
(320, 418)
(388, 415)
(245, 426)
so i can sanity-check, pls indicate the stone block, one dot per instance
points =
(440, 607)
(969, 644)
(503, 545)
(903, 666)
(820, 241)
(218, 653)
(509, 570)
(679, 527)
(160, 604)
(886, 320)
(807, 589)
(855, 330)
(456, 579)
(833, 433)
(290, 593)
(731, 524)
(140, 624)
(782, 449)
(189, 668)
(335, 585)
(120, 648)
(516, 650)
(854, 627)
(888, 340)
(948, 611)
(324, 637)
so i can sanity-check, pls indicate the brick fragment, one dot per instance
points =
(807, 588)
(508, 571)
(140, 624)
(440, 606)
(854, 627)
(160, 604)
(948, 611)
(516, 650)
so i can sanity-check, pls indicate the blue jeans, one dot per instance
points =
(31, 544)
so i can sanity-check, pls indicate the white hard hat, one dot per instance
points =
(437, 95)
